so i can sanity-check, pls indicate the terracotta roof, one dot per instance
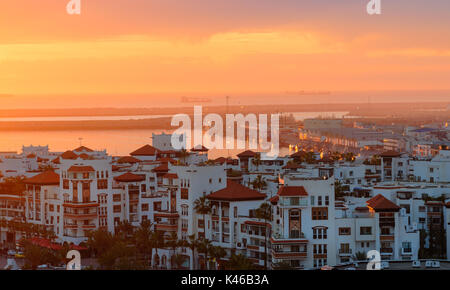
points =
(128, 159)
(146, 150)
(31, 156)
(164, 167)
(129, 177)
(44, 178)
(380, 203)
(300, 153)
(84, 156)
(236, 192)
(362, 208)
(255, 223)
(274, 199)
(56, 160)
(170, 176)
(75, 168)
(69, 155)
(83, 149)
(292, 166)
(390, 154)
(167, 159)
(247, 153)
(199, 148)
(292, 191)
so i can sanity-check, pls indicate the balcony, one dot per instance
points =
(386, 251)
(289, 253)
(74, 204)
(406, 251)
(80, 216)
(345, 252)
(281, 239)
(387, 237)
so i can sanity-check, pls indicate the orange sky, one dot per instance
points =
(214, 47)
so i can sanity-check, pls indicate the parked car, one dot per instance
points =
(436, 264)
(428, 264)
(385, 265)
(416, 264)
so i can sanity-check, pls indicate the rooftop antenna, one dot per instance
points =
(81, 140)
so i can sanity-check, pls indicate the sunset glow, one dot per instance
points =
(213, 47)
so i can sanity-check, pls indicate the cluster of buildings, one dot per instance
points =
(323, 213)
(421, 142)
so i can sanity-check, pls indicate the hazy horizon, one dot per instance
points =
(153, 52)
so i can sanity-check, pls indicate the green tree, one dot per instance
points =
(202, 206)
(142, 238)
(204, 246)
(239, 262)
(264, 212)
(192, 244)
(259, 183)
(217, 253)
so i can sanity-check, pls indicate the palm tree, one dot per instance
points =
(203, 207)
(204, 246)
(257, 161)
(177, 260)
(183, 154)
(157, 241)
(217, 253)
(124, 230)
(264, 212)
(192, 244)
(142, 238)
(239, 262)
(259, 183)
(173, 243)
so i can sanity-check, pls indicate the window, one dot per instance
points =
(312, 200)
(145, 207)
(319, 213)
(184, 210)
(345, 231)
(117, 208)
(319, 200)
(421, 209)
(319, 233)
(327, 200)
(116, 197)
(365, 230)
(184, 193)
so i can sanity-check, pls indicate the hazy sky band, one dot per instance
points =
(147, 46)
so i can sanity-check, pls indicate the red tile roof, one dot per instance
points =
(164, 167)
(380, 203)
(31, 156)
(170, 176)
(129, 177)
(44, 178)
(236, 192)
(146, 150)
(390, 154)
(300, 153)
(75, 168)
(83, 149)
(69, 155)
(255, 223)
(56, 160)
(274, 199)
(292, 191)
(199, 148)
(128, 159)
(247, 153)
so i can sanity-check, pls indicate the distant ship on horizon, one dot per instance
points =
(195, 100)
